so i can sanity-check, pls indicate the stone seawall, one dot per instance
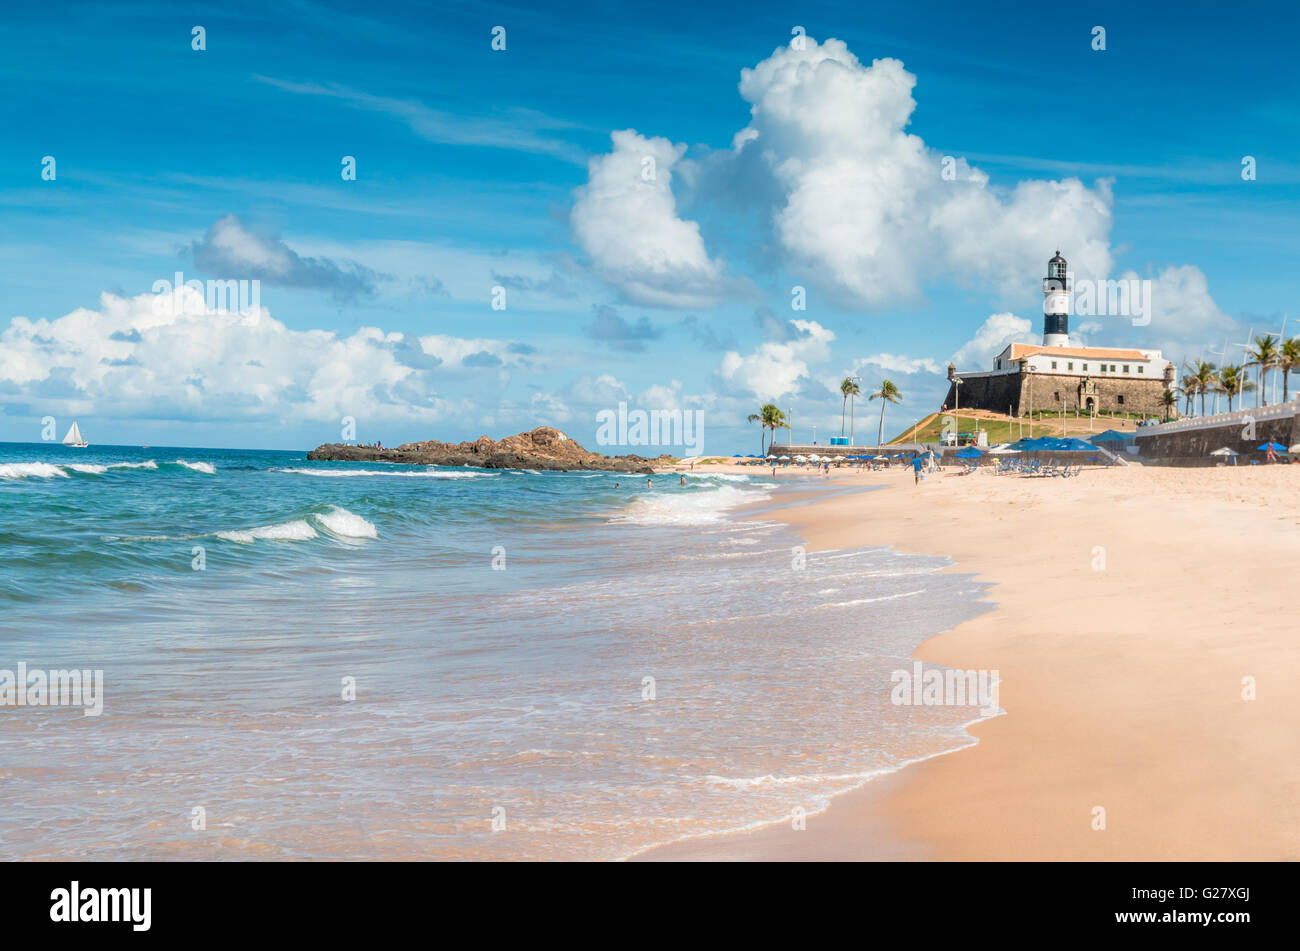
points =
(1189, 442)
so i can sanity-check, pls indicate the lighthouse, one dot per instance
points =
(1056, 304)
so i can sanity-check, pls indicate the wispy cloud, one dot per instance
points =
(619, 334)
(522, 130)
(229, 249)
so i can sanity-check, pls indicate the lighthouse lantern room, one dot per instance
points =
(1056, 303)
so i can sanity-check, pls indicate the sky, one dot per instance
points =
(668, 206)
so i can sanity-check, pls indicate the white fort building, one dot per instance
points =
(1056, 374)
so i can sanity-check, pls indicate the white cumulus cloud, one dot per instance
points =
(145, 357)
(625, 218)
(775, 367)
(841, 191)
(992, 338)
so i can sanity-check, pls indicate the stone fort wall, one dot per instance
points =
(1042, 391)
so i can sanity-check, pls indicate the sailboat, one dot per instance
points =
(74, 439)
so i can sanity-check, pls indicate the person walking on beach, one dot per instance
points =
(916, 470)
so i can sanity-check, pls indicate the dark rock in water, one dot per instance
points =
(543, 448)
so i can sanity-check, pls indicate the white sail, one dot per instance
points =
(74, 436)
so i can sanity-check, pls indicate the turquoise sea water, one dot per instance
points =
(598, 668)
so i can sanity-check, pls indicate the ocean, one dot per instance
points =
(325, 660)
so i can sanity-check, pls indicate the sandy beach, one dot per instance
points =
(1132, 605)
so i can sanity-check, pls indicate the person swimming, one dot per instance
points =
(683, 480)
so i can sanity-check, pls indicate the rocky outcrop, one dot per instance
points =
(543, 448)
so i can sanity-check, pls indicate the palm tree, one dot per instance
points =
(771, 418)
(1187, 385)
(1263, 355)
(848, 389)
(1205, 380)
(888, 393)
(1170, 399)
(1234, 382)
(1231, 383)
(1288, 361)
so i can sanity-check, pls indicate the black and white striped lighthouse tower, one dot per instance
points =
(1056, 304)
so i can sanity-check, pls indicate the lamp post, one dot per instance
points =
(1029, 367)
(1281, 339)
(956, 405)
(1250, 339)
(1223, 357)
(852, 440)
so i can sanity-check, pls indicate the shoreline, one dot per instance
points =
(1119, 691)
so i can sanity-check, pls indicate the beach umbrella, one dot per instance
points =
(971, 453)
(784, 458)
(1275, 446)
(1111, 436)
(1295, 448)
(880, 457)
(1223, 451)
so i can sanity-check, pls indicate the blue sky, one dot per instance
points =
(481, 168)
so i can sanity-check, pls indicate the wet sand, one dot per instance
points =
(1133, 603)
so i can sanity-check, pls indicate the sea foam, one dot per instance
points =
(690, 507)
(31, 470)
(339, 521)
(352, 473)
(295, 531)
(205, 467)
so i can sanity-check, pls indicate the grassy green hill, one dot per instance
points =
(1001, 429)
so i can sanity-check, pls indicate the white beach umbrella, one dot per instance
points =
(1223, 451)
(785, 458)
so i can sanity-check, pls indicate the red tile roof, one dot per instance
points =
(1022, 350)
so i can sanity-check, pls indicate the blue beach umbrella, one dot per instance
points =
(968, 454)
(1111, 436)
(1275, 446)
